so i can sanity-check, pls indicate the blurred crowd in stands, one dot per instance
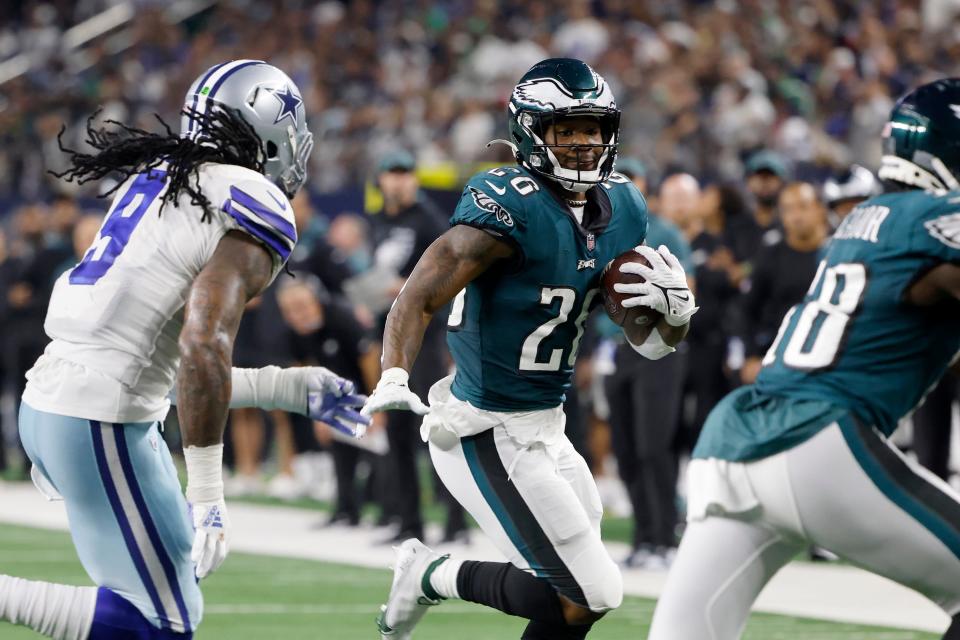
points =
(700, 83)
(742, 123)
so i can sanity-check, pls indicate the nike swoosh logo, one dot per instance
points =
(281, 204)
(499, 190)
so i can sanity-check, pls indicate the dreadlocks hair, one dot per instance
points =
(226, 138)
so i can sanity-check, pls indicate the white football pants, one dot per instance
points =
(846, 490)
(531, 493)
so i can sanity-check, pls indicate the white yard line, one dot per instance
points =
(827, 592)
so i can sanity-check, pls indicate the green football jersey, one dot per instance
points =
(853, 345)
(515, 330)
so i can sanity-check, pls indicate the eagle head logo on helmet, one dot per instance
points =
(551, 90)
(921, 141)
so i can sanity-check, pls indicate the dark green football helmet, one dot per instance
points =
(921, 142)
(554, 89)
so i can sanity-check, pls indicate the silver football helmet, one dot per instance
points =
(856, 183)
(269, 101)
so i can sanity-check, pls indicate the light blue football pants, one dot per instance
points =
(128, 517)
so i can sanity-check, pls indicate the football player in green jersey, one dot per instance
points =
(522, 264)
(802, 455)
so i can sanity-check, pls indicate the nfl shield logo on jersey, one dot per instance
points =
(591, 242)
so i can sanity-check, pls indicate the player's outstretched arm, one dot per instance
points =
(239, 269)
(315, 392)
(447, 266)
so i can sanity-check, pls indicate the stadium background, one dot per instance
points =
(703, 87)
(700, 83)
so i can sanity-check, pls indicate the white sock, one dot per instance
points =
(58, 611)
(444, 578)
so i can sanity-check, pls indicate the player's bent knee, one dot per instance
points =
(576, 616)
(606, 593)
(116, 617)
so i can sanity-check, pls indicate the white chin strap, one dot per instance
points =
(900, 170)
(572, 179)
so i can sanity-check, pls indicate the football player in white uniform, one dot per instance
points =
(201, 224)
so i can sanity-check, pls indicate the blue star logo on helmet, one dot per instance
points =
(289, 101)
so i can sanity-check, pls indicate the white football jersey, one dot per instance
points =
(115, 318)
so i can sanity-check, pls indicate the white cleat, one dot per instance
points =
(408, 602)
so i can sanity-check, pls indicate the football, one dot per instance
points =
(638, 321)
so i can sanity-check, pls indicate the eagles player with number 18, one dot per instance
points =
(802, 457)
(200, 225)
(522, 264)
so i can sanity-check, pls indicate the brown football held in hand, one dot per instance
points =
(637, 322)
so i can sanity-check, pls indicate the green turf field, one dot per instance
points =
(262, 598)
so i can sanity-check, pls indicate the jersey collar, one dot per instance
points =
(596, 214)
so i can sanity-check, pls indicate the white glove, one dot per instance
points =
(210, 540)
(665, 289)
(393, 393)
(207, 508)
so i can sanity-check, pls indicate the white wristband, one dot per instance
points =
(204, 473)
(269, 388)
(394, 375)
(653, 348)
